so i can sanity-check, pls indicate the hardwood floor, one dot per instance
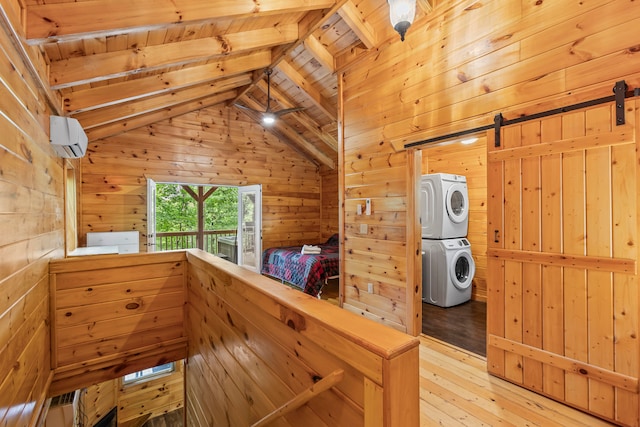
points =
(456, 390)
(464, 325)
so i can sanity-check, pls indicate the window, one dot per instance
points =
(149, 373)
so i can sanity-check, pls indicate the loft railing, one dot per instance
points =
(189, 240)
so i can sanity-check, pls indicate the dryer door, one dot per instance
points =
(461, 269)
(456, 202)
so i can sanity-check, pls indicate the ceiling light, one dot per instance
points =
(402, 13)
(268, 119)
(268, 116)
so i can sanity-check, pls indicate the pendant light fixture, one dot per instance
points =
(402, 13)
(268, 116)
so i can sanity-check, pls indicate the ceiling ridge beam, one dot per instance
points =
(307, 25)
(351, 15)
(301, 117)
(320, 53)
(126, 91)
(103, 66)
(291, 137)
(67, 20)
(311, 93)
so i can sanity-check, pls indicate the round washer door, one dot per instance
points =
(457, 203)
(461, 269)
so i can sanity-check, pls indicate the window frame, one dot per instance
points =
(150, 376)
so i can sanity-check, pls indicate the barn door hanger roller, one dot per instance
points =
(620, 92)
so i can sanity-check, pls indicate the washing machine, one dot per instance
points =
(447, 271)
(444, 206)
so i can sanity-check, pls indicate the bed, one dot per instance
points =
(307, 272)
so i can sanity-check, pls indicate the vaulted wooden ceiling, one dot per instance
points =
(118, 65)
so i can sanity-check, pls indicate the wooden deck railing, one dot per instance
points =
(177, 240)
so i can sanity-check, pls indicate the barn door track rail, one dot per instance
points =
(620, 92)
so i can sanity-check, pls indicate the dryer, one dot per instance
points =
(447, 271)
(444, 206)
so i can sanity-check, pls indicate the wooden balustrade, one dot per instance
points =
(255, 349)
(255, 345)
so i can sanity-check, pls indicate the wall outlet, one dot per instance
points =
(367, 206)
(364, 228)
(370, 288)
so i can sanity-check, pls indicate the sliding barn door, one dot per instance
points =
(563, 299)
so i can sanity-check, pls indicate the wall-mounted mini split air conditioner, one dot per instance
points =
(67, 137)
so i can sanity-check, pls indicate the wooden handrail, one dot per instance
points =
(323, 385)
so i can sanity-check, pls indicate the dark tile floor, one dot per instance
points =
(463, 325)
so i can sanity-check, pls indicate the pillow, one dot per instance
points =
(333, 240)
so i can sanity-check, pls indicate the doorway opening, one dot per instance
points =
(222, 220)
(462, 325)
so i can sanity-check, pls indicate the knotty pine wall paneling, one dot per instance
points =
(154, 397)
(255, 345)
(98, 400)
(329, 202)
(217, 146)
(115, 314)
(31, 232)
(466, 62)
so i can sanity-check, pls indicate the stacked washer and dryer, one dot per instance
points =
(447, 265)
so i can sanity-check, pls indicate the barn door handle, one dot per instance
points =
(496, 234)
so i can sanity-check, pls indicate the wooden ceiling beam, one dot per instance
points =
(125, 125)
(352, 16)
(307, 25)
(289, 136)
(126, 91)
(319, 52)
(312, 94)
(302, 118)
(112, 17)
(102, 116)
(425, 5)
(88, 69)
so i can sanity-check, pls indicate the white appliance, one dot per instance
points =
(63, 410)
(447, 271)
(67, 137)
(127, 242)
(444, 206)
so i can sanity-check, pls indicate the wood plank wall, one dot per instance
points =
(254, 344)
(470, 161)
(115, 314)
(154, 397)
(217, 145)
(463, 64)
(329, 203)
(31, 233)
(98, 400)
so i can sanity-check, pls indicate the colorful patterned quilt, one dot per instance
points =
(307, 272)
